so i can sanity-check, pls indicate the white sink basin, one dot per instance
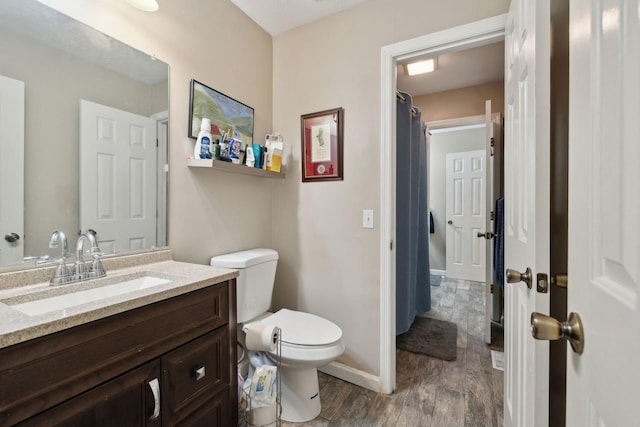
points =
(72, 299)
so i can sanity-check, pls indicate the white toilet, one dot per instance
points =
(308, 341)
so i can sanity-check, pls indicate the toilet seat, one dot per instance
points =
(307, 340)
(302, 330)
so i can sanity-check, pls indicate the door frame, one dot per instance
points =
(470, 35)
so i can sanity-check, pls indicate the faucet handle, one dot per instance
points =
(61, 269)
(97, 269)
(62, 274)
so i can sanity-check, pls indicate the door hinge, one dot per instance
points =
(493, 141)
(492, 289)
(391, 245)
(492, 216)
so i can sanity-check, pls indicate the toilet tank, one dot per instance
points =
(254, 285)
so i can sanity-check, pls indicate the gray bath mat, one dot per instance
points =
(436, 279)
(433, 337)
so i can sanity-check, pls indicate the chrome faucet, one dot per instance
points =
(61, 274)
(81, 271)
(58, 237)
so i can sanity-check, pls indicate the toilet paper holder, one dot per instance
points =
(264, 416)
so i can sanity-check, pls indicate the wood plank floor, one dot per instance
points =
(430, 392)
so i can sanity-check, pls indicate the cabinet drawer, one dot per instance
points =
(195, 371)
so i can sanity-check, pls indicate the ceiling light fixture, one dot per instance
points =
(146, 5)
(421, 67)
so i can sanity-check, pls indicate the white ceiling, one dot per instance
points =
(279, 16)
(455, 70)
(480, 65)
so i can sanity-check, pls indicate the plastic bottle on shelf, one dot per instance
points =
(215, 150)
(203, 143)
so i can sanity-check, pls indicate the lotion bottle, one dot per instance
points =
(203, 143)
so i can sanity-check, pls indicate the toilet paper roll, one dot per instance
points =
(261, 337)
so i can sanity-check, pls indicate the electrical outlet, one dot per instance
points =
(367, 218)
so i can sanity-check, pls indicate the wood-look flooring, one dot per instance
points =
(429, 392)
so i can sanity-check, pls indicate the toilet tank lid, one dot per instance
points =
(244, 259)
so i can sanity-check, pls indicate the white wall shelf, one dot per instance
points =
(234, 168)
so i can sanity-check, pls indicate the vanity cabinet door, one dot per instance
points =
(125, 401)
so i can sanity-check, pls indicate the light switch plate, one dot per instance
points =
(367, 218)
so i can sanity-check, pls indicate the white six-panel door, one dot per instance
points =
(465, 194)
(527, 204)
(604, 212)
(117, 177)
(12, 167)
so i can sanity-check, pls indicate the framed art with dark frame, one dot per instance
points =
(322, 149)
(224, 112)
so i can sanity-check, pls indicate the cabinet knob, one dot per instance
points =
(199, 373)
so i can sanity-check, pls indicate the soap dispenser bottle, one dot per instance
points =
(203, 143)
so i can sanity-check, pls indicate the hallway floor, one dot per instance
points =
(430, 392)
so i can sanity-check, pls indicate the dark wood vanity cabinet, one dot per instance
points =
(169, 363)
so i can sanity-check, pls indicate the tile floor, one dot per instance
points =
(430, 392)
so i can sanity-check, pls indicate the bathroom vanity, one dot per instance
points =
(162, 355)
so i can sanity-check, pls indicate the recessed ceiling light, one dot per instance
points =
(146, 5)
(421, 67)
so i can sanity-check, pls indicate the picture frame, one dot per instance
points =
(322, 145)
(224, 112)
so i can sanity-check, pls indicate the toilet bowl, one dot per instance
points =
(307, 341)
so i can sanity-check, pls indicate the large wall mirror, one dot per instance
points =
(90, 115)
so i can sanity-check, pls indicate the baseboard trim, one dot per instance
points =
(354, 376)
(438, 272)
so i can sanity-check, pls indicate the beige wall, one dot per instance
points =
(215, 43)
(329, 264)
(464, 102)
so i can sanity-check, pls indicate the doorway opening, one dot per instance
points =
(464, 37)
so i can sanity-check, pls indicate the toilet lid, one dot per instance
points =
(304, 328)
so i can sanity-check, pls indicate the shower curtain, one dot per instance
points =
(413, 290)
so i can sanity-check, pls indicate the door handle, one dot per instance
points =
(514, 276)
(154, 385)
(547, 328)
(12, 237)
(487, 235)
(450, 222)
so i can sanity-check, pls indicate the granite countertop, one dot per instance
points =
(16, 326)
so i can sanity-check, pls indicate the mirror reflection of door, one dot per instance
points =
(12, 167)
(118, 193)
